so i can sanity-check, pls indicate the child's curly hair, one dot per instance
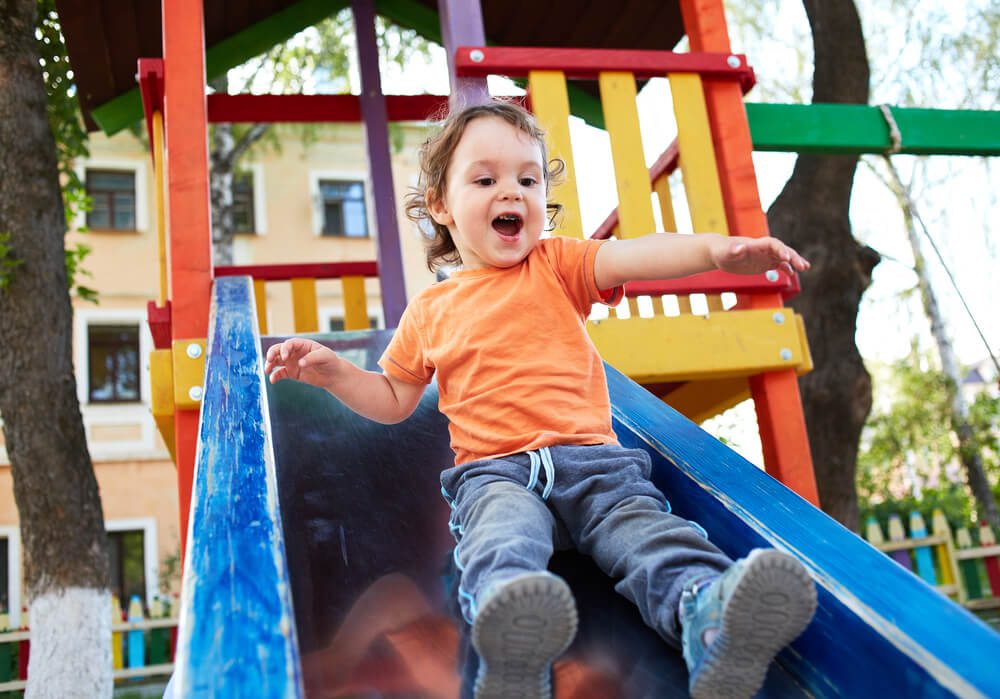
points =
(435, 156)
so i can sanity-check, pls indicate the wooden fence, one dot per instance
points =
(141, 647)
(963, 566)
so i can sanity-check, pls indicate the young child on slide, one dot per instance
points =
(537, 465)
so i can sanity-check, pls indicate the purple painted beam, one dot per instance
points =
(376, 119)
(462, 25)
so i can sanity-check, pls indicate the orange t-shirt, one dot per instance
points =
(515, 367)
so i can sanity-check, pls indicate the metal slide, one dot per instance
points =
(319, 559)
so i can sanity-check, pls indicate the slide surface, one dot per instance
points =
(346, 556)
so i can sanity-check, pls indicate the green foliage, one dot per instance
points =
(8, 262)
(68, 131)
(909, 456)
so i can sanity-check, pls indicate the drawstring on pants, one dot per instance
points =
(542, 458)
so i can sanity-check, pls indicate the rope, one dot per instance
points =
(895, 137)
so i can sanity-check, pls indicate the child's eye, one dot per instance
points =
(528, 181)
(485, 181)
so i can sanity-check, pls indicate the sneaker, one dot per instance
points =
(524, 624)
(758, 606)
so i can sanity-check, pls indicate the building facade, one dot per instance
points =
(301, 195)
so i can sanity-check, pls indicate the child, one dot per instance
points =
(537, 465)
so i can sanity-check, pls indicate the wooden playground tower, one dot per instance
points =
(699, 364)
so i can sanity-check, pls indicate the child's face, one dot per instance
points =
(494, 201)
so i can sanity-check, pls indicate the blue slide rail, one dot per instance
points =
(236, 634)
(879, 631)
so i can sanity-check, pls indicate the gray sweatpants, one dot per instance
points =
(510, 513)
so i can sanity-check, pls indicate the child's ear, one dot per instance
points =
(437, 209)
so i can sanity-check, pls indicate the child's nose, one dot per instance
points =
(512, 193)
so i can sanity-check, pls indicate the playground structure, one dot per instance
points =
(269, 581)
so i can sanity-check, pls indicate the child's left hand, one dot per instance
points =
(756, 255)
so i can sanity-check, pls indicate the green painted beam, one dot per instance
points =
(126, 109)
(856, 129)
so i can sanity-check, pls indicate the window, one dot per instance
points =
(337, 324)
(343, 208)
(5, 580)
(243, 206)
(113, 195)
(113, 359)
(128, 568)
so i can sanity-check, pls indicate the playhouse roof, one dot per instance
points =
(105, 38)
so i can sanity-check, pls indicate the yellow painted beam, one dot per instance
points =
(260, 300)
(697, 155)
(621, 116)
(685, 348)
(189, 372)
(161, 399)
(304, 309)
(700, 400)
(662, 189)
(355, 303)
(550, 103)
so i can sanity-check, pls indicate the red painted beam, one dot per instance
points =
(586, 64)
(717, 282)
(150, 76)
(314, 270)
(319, 108)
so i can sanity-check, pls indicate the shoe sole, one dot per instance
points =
(770, 606)
(518, 633)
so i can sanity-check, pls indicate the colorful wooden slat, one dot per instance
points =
(324, 109)
(970, 567)
(992, 563)
(373, 109)
(160, 204)
(618, 95)
(588, 64)
(550, 103)
(922, 555)
(722, 345)
(136, 638)
(305, 311)
(621, 114)
(944, 554)
(701, 400)
(117, 638)
(355, 303)
(186, 162)
(316, 270)
(873, 532)
(159, 638)
(897, 534)
(260, 303)
(697, 157)
(777, 402)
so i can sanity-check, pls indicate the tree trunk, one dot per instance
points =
(968, 444)
(223, 158)
(62, 526)
(811, 214)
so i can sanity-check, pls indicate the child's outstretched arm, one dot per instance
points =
(369, 393)
(668, 256)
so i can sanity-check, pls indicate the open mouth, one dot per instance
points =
(507, 225)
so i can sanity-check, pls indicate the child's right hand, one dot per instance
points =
(303, 360)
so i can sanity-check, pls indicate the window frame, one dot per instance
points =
(150, 552)
(141, 399)
(258, 209)
(13, 536)
(139, 169)
(316, 178)
(109, 195)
